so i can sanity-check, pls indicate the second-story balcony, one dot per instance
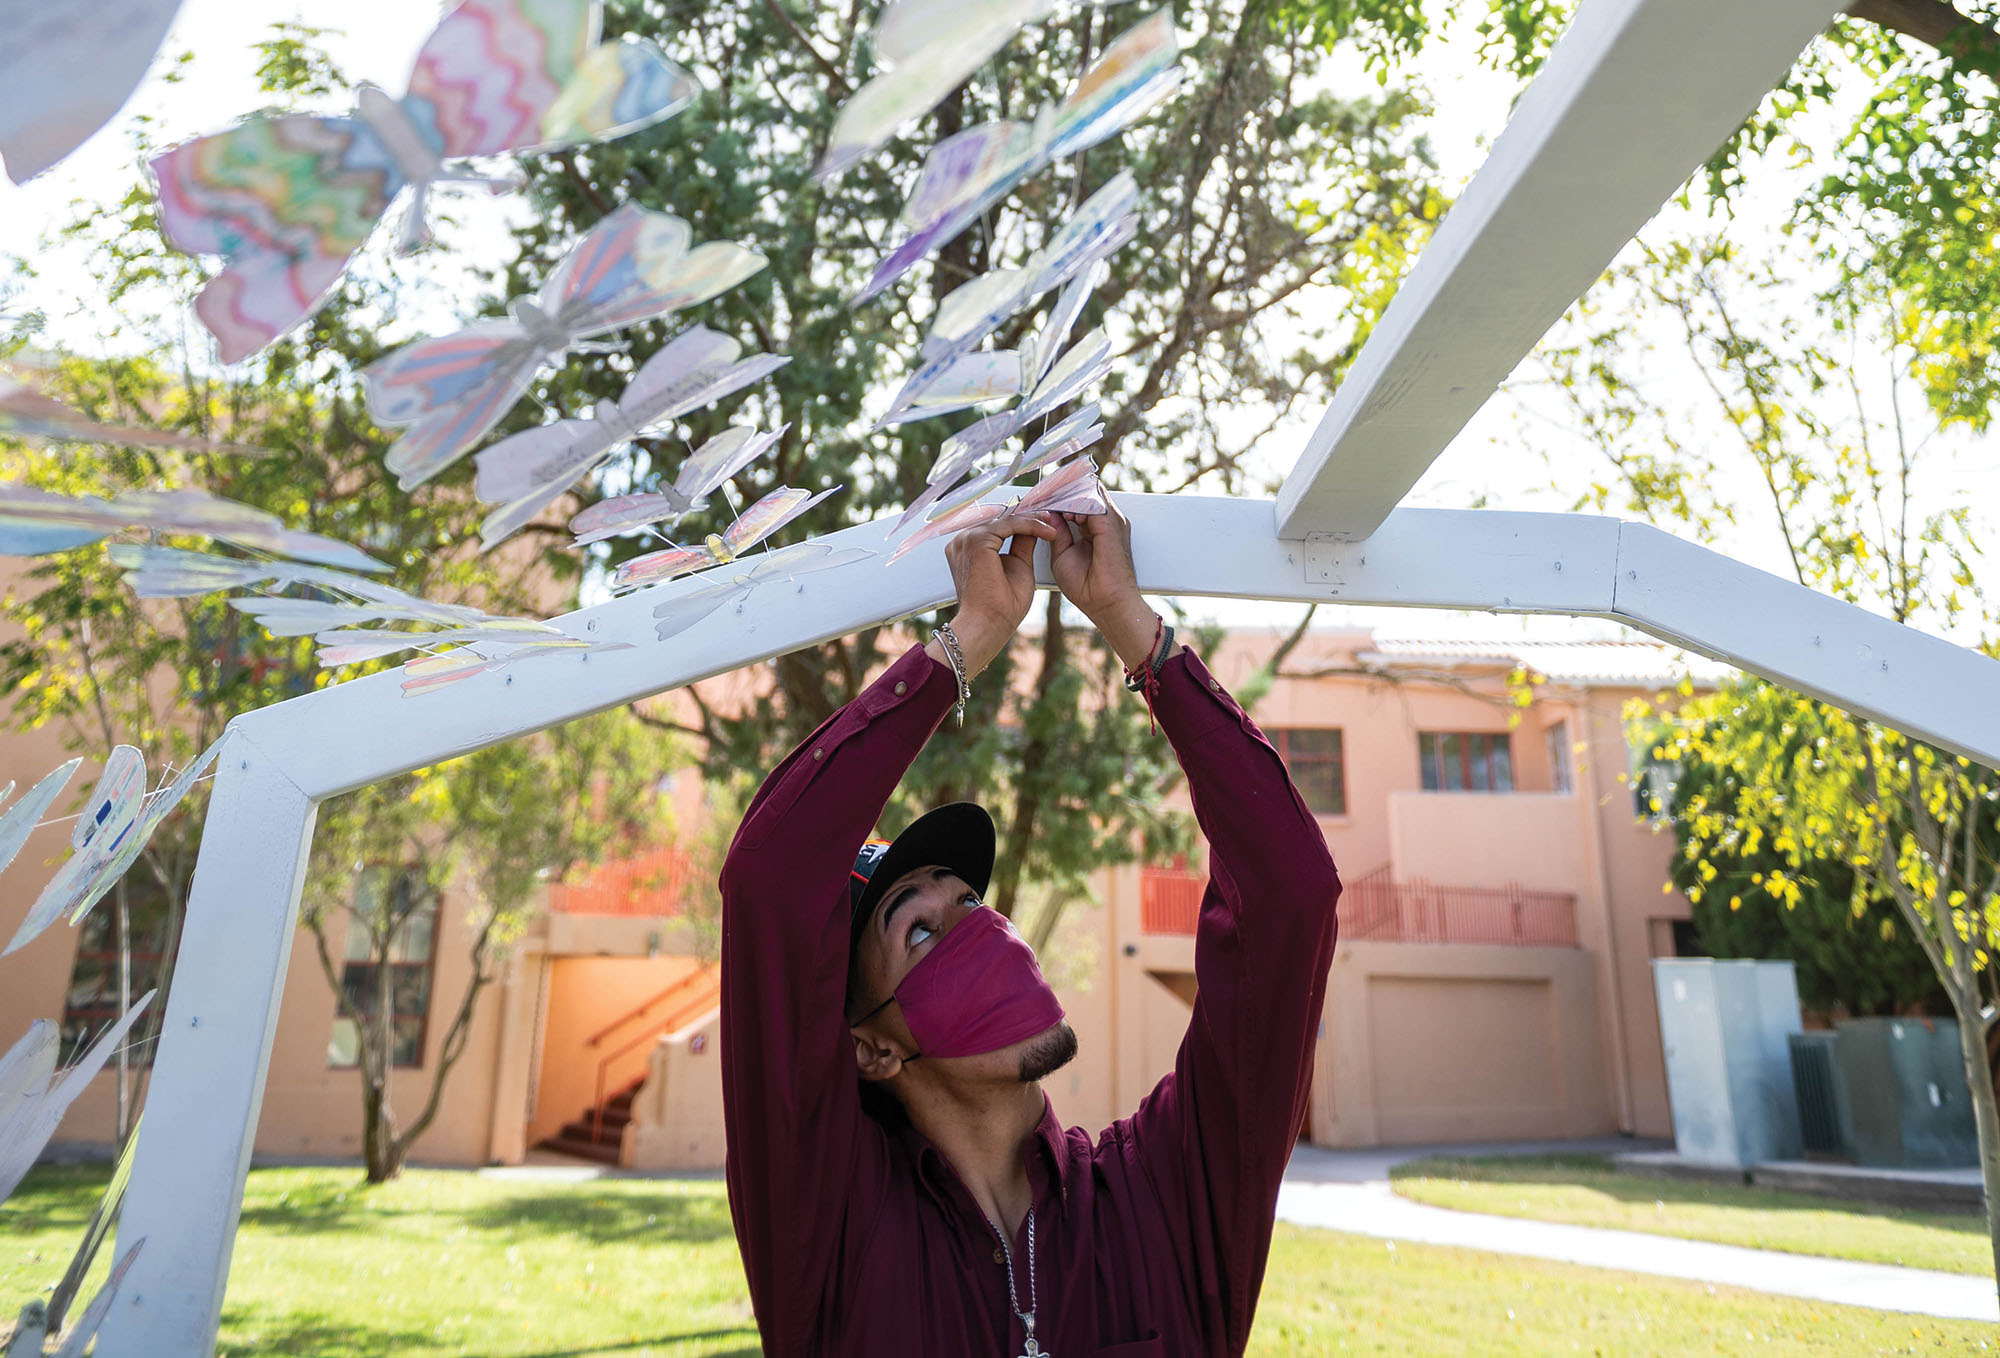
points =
(1377, 909)
(650, 884)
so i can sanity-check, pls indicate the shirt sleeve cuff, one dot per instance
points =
(1191, 701)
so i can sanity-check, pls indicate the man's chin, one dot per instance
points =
(1048, 1053)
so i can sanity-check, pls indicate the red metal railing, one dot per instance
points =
(1374, 907)
(651, 884)
(1170, 900)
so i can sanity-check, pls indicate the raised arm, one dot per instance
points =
(1216, 1134)
(795, 1129)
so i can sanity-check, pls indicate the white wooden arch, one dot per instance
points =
(1635, 97)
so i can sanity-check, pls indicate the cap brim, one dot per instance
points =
(958, 836)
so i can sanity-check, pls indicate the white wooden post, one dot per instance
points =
(208, 1072)
(1635, 96)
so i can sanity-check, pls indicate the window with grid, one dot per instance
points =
(1313, 757)
(412, 959)
(91, 1003)
(1465, 761)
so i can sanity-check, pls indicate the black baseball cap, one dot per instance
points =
(958, 836)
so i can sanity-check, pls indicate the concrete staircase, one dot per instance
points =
(596, 1136)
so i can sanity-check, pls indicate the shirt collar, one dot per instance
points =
(1048, 1161)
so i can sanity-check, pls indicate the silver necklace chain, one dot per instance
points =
(1027, 1317)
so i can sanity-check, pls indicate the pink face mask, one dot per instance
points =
(978, 990)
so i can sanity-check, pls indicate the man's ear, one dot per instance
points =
(877, 1058)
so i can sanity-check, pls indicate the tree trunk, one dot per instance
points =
(379, 1150)
(1985, 1114)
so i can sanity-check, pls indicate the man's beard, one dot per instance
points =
(1048, 1054)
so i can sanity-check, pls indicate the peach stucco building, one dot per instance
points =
(1503, 899)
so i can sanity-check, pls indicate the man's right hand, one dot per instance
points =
(995, 587)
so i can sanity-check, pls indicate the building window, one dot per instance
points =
(412, 958)
(1461, 761)
(91, 1003)
(1654, 780)
(1312, 756)
(1558, 737)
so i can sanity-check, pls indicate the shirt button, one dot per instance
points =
(997, 1259)
(901, 688)
(1215, 684)
(819, 753)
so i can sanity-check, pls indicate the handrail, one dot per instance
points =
(665, 1025)
(682, 984)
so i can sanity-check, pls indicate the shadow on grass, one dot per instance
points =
(1599, 1175)
(308, 1335)
(690, 1337)
(54, 1196)
(661, 1217)
(642, 1216)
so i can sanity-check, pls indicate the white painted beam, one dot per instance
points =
(1636, 95)
(360, 732)
(1856, 660)
(208, 1073)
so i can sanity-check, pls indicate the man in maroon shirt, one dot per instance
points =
(948, 1214)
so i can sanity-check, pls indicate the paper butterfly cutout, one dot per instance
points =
(22, 817)
(34, 522)
(933, 47)
(338, 624)
(108, 836)
(287, 200)
(752, 526)
(169, 573)
(65, 70)
(33, 1098)
(633, 266)
(734, 584)
(958, 380)
(1102, 225)
(970, 171)
(1087, 361)
(700, 476)
(26, 413)
(1072, 488)
(527, 472)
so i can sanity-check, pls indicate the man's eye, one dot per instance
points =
(918, 933)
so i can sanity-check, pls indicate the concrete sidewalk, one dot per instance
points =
(1349, 1191)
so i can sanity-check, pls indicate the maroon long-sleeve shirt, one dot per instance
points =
(860, 1238)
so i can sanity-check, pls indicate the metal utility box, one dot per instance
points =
(1906, 1095)
(1725, 1027)
(1821, 1095)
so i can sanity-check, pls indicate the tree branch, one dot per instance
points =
(1933, 22)
(791, 26)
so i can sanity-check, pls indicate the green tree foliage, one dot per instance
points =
(1814, 414)
(1852, 952)
(1258, 185)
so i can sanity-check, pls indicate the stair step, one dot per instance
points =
(582, 1148)
(583, 1130)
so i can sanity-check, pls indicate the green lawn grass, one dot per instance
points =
(1585, 1190)
(445, 1263)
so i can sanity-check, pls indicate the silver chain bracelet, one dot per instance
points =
(956, 656)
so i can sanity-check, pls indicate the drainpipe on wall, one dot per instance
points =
(1592, 809)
